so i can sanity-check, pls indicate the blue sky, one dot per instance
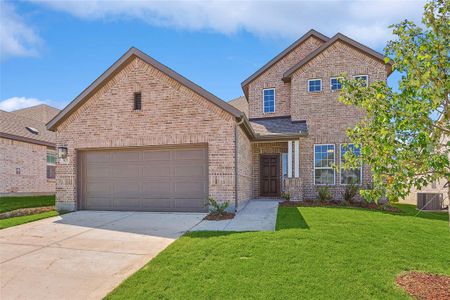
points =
(50, 51)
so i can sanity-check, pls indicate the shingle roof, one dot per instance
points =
(41, 112)
(13, 126)
(240, 103)
(278, 125)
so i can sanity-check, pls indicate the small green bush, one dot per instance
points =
(350, 192)
(324, 193)
(217, 208)
(286, 196)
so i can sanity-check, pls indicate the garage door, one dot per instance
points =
(166, 179)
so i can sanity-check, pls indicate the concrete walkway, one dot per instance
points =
(257, 215)
(85, 254)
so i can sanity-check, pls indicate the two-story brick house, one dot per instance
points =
(142, 137)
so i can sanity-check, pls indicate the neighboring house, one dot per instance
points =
(27, 151)
(142, 137)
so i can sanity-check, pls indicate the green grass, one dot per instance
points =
(12, 203)
(315, 253)
(5, 223)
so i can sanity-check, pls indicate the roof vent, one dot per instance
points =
(32, 130)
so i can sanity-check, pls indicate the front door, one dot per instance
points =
(270, 177)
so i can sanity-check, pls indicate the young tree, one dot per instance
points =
(405, 134)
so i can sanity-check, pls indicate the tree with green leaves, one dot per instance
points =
(404, 136)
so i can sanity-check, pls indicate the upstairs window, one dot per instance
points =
(354, 175)
(51, 165)
(335, 84)
(363, 78)
(314, 85)
(137, 101)
(269, 100)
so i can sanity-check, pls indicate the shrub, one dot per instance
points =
(324, 193)
(217, 208)
(286, 196)
(350, 192)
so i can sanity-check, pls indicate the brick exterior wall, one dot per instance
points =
(327, 118)
(245, 170)
(31, 159)
(171, 114)
(271, 78)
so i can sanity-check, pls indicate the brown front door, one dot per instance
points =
(270, 175)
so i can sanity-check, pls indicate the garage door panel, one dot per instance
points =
(156, 170)
(98, 171)
(126, 156)
(156, 155)
(127, 204)
(172, 179)
(127, 190)
(125, 171)
(191, 154)
(157, 204)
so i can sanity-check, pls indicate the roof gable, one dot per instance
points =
(282, 54)
(338, 37)
(116, 67)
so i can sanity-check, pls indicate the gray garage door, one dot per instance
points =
(166, 179)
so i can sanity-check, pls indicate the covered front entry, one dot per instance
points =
(270, 175)
(145, 179)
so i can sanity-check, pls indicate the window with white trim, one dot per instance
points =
(324, 160)
(51, 165)
(335, 83)
(314, 85)
(363, 78)
(353, 175)
(269, 100)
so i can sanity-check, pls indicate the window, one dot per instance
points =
(51, 165)
(364, 79)
(269, 100)
(335, 84)
(137, 101)
(324, 160)
(350, 175)
(314, 85)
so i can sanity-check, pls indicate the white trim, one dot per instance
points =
(274, 100)
(321, 168)
(340, 166)
(289, 166)
(313, 79)
(360, 75)
(296, 159)
(335, 77)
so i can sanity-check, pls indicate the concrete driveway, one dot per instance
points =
(85, 254)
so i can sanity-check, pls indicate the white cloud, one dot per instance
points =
(15, 103)
(16, 37)
(365, 21)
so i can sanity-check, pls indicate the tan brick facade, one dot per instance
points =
(23, 168)
(171, 114)
(271, 78)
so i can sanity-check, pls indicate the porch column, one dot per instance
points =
(289, 162)
(297, 159)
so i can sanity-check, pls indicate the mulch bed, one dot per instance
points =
(425, 285)
(311, 203)
(216, 217)
(26, 211)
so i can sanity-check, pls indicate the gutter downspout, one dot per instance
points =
(236, 162)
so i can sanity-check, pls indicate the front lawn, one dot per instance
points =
(316, 252)
(12, 203)
(5, 223)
